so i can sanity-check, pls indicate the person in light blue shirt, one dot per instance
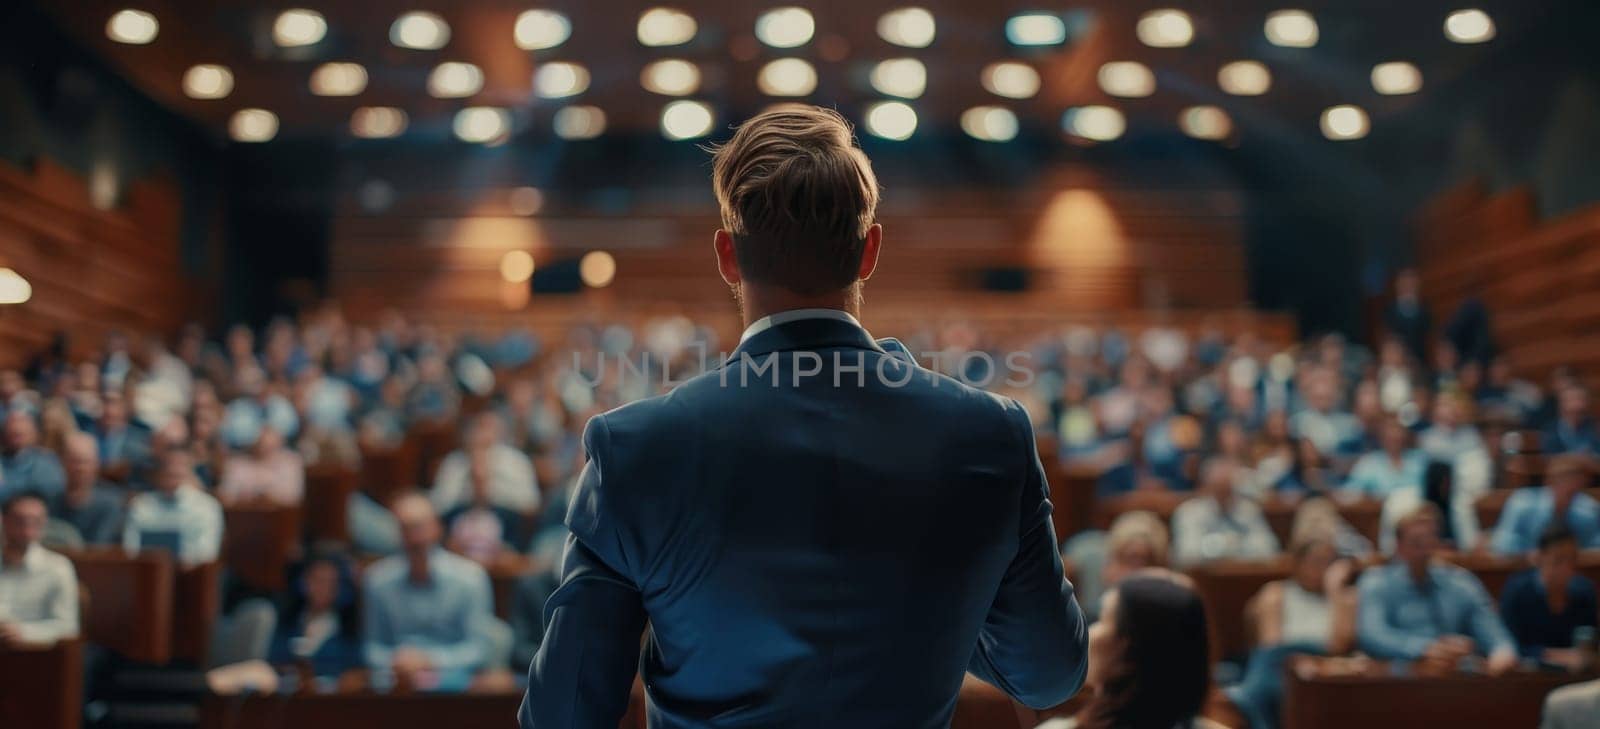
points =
(1530, 511)
(24, 465)
(1416, 609)
(426, 613)
(1395, 466)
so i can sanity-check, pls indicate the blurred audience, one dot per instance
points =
(24, 464)
(38, 588)
(1545, 607)
(1218, 523)
(177, 515)
(1417, 609)
(1530, 511)
(90, 504)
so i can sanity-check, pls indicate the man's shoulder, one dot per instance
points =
(53, 561)
(1576, 699)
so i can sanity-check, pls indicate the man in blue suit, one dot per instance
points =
(818, 533)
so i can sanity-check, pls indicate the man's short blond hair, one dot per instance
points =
(798, 197)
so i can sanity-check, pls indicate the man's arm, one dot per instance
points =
(468, 653)
(1033, 644)
(583, 671)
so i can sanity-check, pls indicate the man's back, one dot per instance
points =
(818, 533)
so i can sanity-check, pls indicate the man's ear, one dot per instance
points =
(727, 260)
(869, 252)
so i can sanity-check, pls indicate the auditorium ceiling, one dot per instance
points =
(1351, 37)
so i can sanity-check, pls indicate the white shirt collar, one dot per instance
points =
(32, 557)
(784, 317)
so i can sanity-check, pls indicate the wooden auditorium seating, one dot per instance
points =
(260, 541)
(327, 507)
(386, 473)
(42, 688)
(431, 442)
(1379, 699)
(130, 602)
(196, 605)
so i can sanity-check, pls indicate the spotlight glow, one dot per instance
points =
(14, 289)
(560, 79)
(1292, 29)
(891, 120)
(671, 77)
(906, 78)
(597, 269)
(786, 27)
(787, 77)
(1205, 122)
(1011, 79)
(1036, 29)
(525, 200)
(686, 120)
(989, 123)
(1128, 79)
(1097, 123)
(207, 81)
(537, 30)
(1395, 78)
(134, 27)
(1244, 78)
(516, 266)
(455, 80)
(1469, 26)
(420, 30)
(908, 27)
(298, 27)
(478, 124)
(338, 79)
(666, 27)
(1166, 28)
(377, 122)
(1346, 121)
(579, 122)
(253, 125)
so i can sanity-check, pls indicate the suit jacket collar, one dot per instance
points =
(805, 334)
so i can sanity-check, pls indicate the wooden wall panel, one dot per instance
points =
(1540, 279)
(1088, 248)
(92, 271)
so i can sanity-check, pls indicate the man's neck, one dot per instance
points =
(417, 570)
(78, 494)
(760, 302)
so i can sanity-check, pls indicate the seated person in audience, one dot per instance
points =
(1394, 466)
(24, 465)
(1417, 609)
(1315, 608)
(1314, 611)
(1543, 606)
(1452, 438)
(1574, 429)
(268, 472)
(1218, 523)
(1334, 431)
(318, 624)
(1149, 658)
(1097, 561)
(424, 611)
(434, 397)
(512, 483)
(90, 504)
(38, 588)
(1573, 706)
(1459, 527)
(123, 443)
(177, 515)
(479, 530)
(1530, 511)
(1319, 519)
(1309, 474)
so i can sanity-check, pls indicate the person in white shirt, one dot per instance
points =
(177, 510)
(1219, 524)
(38, 588)
(512, 483)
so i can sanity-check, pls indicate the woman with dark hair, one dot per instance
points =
(1149, 659)
(318, 625)
(1459, 528)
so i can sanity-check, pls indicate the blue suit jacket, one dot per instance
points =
(836, 549)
